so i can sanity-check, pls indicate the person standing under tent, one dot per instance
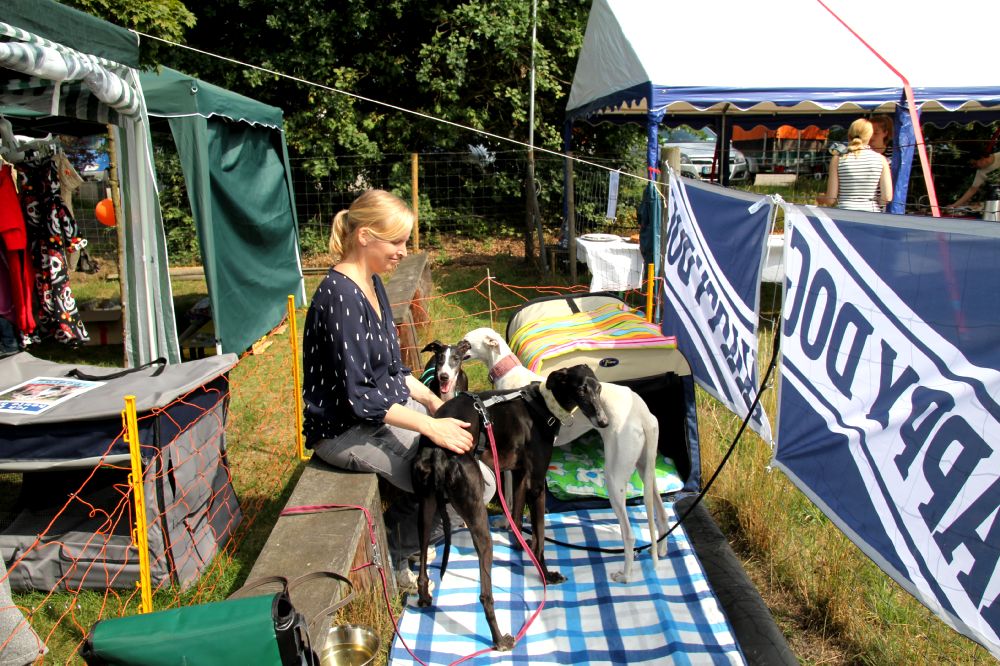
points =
(364, 410)
(859, 179)
(881, 135)
(987, 165)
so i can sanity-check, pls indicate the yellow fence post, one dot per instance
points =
(140, 535)
(293, 333)
(649, 293)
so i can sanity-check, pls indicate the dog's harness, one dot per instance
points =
(536, 399)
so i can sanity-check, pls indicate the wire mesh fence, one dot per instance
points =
(476, 194)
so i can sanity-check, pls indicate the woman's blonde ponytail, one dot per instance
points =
(339, 236)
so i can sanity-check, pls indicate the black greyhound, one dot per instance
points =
(525, 424)
(443, 373)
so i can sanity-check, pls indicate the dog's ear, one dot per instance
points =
(556, 378)
(435, 347)
(491, 341)
(462, 349)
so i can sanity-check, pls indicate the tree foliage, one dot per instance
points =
(168, 19)
(464, 62)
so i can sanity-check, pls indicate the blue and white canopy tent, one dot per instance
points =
(660, 62)
(887, 415)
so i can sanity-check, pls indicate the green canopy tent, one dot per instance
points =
(235, 164)
(63, 69)
(59, 63)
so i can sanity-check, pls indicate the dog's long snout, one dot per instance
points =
(600, 417)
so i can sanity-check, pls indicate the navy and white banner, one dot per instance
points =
(888, 410)
(712, 260)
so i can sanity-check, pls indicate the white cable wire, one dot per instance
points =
(385, 104)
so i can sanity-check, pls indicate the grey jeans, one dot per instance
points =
(375, 447)
(389, 452)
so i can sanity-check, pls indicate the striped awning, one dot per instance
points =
(62, 81)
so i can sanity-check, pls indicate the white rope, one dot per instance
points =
(388, 105)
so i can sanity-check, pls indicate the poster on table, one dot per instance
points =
(716, 240)
(41, 393)
(888, 412)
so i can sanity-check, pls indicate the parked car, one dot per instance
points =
(698, 154)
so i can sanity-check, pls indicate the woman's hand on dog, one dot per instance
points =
(448, 433)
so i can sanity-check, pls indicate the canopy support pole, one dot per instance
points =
(722, 145)
(653, 170)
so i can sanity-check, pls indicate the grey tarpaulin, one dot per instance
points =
(73, 518)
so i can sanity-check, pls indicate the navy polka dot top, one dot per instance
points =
(352, 366)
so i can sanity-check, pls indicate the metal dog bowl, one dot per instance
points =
(349, 645)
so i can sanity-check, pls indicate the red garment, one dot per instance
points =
(15, 238)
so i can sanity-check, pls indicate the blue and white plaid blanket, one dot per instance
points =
(666, 616)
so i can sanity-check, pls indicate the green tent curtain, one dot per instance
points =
(73, 28)
(240, 199)
(235, 166)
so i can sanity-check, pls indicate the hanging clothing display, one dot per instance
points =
(69, 182)
(52, 233)
(19, 265)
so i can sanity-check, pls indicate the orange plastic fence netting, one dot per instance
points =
(215, 460)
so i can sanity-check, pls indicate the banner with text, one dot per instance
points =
(888, 416)
(715, 249)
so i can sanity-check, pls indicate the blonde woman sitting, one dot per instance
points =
(860, 179)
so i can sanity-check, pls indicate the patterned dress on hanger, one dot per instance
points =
(52, 233)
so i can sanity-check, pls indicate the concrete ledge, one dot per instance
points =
(408, 290)
(335, 540)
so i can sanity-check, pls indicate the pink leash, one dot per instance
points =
(515, 527)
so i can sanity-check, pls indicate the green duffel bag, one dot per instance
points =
(263, 630)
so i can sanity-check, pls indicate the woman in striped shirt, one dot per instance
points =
(859, 179)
